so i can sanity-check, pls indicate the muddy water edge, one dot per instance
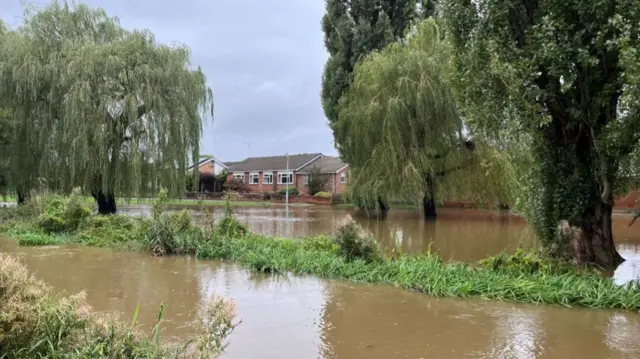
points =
(304, 317)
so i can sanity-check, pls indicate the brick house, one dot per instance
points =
(332, 168)
(272, 174)
(209, 168)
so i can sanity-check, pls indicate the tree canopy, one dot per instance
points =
(99, 106)
(355, 28)
(563, 75)
(403, 134)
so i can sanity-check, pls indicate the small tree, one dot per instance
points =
(316, 181)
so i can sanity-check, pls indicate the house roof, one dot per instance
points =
(208, 159)
(274, 162)
(231, 163)
(325, 165)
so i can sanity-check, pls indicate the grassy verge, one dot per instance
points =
(350, 254)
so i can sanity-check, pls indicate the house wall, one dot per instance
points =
(207, 168)
(298, 183)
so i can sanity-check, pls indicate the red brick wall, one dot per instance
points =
(207, 168)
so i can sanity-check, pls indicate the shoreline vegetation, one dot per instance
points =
(348, 254)
(38, 323)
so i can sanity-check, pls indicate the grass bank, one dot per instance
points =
(37, 323)
(349, 254)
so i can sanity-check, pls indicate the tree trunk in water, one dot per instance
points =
(428, 201)
(593, 243)
(383, 208)
(429, 207)
(106, 202)
(21, 196)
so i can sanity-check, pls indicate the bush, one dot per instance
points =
(292, 191)
(228, 225)
(112, 230)
(62, 214)
(526, 261)
(36, 323)
(236, 185)
(38, 239)
(355, 243)
(323, 194)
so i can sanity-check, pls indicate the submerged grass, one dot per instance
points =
(351, 254)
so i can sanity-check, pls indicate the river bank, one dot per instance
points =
(523, 278)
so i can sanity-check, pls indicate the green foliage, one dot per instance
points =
(353, 255)
(562, 79)
(228, 225)
(316, 181)
(111, 231)
(527, 261)
(323, 194)
(97, 105)
(34, 239)
(291, 190)
(401, 131)
(351, 31)
(62, 214)
(37, 323)
(427, 274)
(355, 243)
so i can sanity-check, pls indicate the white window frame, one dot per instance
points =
(305, 179)
(238, 176)
(264, 178)
(255, 176)
(343, 177)
(283, 174)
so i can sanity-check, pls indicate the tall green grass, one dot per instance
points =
(352, 254)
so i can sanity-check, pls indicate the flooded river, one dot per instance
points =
(304, 317)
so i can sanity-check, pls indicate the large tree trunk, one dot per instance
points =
(428, 200)
(106, 202)
(592, 240)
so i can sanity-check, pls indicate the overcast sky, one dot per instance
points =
(263, 60)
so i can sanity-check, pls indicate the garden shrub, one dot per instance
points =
(323, 194)
(356, 243)
(292, 191)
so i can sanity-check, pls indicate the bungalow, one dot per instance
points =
(272, 174)
(211, 166)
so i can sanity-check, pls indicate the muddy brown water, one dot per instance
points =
(304, 317)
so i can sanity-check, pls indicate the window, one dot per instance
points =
(284, 178)
(305, 179)
(267, 178)
(343, 177)
(254, 178)
(238, 176)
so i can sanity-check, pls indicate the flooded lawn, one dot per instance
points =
(461, 235)
(303, 317)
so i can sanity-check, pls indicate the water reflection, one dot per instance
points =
(303, 317)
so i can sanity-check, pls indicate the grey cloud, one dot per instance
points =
(263, 60)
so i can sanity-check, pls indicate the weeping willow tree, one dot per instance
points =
(403, 135)
(99, 106)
